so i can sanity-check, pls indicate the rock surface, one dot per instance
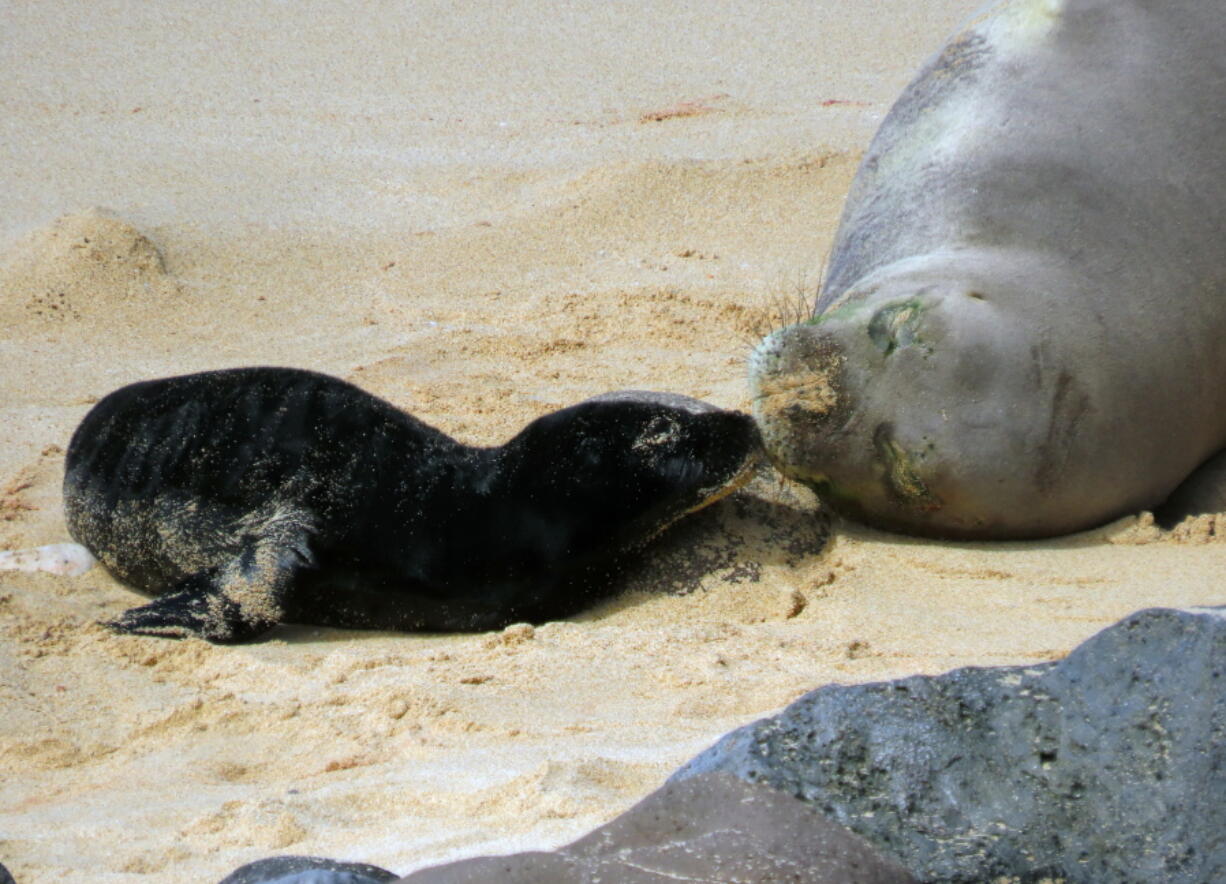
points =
(713, 828)
(1109, 765)
(306, 870)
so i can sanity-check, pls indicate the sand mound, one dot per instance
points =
(86, 267)
(1143, 528)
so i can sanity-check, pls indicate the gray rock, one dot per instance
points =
(5, 877)
(714, 829)
(306, 870)
(1109, 765)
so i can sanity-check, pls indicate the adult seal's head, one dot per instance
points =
(250, 497)
(1019, 333)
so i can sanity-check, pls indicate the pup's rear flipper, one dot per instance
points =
(234, 603)
(67, 559)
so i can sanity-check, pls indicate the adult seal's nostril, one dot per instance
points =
(250, 497)
(1019, 333)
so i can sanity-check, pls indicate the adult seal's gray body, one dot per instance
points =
(1022, 329)
(251, 497)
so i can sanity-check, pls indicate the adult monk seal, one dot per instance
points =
(1021, 330)
(249, 497)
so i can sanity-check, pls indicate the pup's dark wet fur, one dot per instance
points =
(249, 497)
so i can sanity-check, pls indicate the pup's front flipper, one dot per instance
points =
(198, 606)
(234, 603)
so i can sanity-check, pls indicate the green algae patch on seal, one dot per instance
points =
(1019, 330)
(249, 497)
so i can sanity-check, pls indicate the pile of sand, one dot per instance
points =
(86, 271)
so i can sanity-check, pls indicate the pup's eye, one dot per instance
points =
(660, 431)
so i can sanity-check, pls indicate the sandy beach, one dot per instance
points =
(481, 216)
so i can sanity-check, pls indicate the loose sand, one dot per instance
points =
(481, 218)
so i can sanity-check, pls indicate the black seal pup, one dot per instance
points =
(1021, 330)
(250, 497)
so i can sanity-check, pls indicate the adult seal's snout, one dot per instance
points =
(799, 396)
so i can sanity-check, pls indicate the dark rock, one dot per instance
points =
(307, 870)
(1109, 765)
(5, 877)
(714, 829)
